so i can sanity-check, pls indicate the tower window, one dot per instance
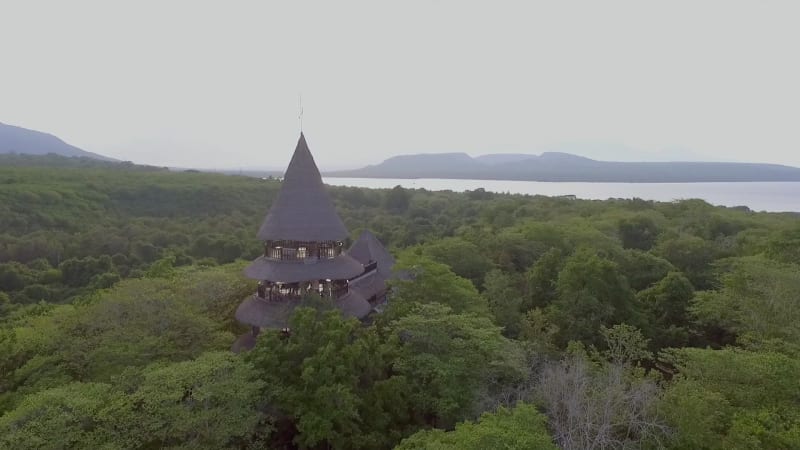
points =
(326, 251)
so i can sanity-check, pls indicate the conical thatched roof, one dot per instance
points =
(244, 342)
(353, 304)
(262, 313)
(369, 285)
(303, 210)
(368, 248)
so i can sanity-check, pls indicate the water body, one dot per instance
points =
(770, 196)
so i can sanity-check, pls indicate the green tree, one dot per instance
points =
(397, 199)
(757, 301)
(14, 276)
(68, 416)
(208, 402)
(464, 258)
(216, 291)
(329, 380)
(5, 307)
(732, 372)
(36, 292)
(450, 360)
(79, 272)
(692, 255)
(542, 279)
(638, 232)
(163, 268)
(505, 300)
(713, 403)
(642, 269)
(591, 293)
(666, 305)
(522, 427)
(700, 417)
(538, 334)
(136, 323)
(625, 345)
(433, 282)
(512, 250)
(785, 246)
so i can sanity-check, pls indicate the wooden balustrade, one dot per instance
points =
(296, 250)
(296, 291)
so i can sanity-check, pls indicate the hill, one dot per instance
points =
(555, 166)
(20, 140)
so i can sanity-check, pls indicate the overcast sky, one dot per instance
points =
(216, 84)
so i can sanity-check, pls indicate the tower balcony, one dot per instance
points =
(302, 251)
(270, 291)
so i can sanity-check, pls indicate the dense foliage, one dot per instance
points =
(528, 321)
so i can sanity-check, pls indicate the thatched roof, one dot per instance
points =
(353, 304)
(259, 312)
(342, 267)
(368, 285)
(303, 210)
(368, 248)
(245, 342)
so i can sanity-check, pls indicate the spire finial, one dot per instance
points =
(301, 114)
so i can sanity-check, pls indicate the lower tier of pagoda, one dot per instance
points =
(262, 312)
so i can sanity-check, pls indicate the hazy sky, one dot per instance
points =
(216, 84)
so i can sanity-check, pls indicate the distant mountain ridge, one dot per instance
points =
(23, 141)
(556, 166)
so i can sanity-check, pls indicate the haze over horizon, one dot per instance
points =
(216, 85)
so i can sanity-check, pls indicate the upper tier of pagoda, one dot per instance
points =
(302, 233)
(303, 210)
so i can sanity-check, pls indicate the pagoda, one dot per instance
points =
(304, 255)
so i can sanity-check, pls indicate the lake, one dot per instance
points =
(758, 196)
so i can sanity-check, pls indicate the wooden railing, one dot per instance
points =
(294, 291)
(301, 251)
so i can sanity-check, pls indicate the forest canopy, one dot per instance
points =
(525, 321)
